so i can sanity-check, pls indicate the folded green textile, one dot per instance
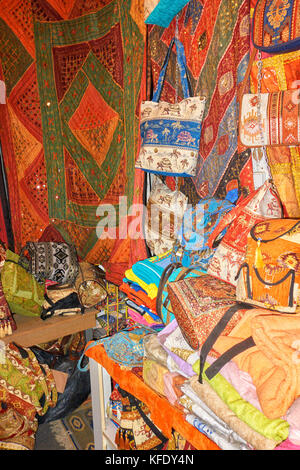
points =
(24, 295)
(276, 429)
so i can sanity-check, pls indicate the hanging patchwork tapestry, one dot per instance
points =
(215, 35)
(73, 72)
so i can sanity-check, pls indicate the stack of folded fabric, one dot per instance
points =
(143, 315)
(227, 408)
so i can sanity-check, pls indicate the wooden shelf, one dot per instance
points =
(34, 330)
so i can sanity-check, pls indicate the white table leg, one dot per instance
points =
(100, 393)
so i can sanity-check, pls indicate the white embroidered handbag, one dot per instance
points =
(165, 209)
(170, 133)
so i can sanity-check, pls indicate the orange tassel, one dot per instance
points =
(126, 442)
(259, 262)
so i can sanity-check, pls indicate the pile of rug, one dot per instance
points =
(73, 432)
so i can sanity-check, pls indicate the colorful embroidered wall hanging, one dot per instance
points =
(215, 35)
(73, 72)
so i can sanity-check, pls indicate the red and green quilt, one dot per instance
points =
(69, 128)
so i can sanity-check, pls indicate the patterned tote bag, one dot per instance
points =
(170, 133)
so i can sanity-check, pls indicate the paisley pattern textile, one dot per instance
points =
(73, 72)
(215, 35)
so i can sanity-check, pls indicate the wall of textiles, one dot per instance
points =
(73, 71)
(217, 41)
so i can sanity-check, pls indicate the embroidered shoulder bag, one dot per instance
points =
(170, 133)
(55, 261)
(268, 119)
(270, 274)
(276, 26)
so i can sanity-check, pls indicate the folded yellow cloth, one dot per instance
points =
(275, 429)
(151, 289)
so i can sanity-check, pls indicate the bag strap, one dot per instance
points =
(216, 332)
(247, 75)
(163, 280)
(214, 368)
(70, 301)
(291, 273)
(154, 429)
(181, 60)
(245, 265)
(275, 238)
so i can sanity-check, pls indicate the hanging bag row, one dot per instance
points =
(273, 118)
(170, 133)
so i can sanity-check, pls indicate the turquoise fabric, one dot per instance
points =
(165, 11)
(148, 272)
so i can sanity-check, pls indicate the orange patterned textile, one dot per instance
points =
(70, 70)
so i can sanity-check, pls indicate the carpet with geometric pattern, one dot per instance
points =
(74, 432)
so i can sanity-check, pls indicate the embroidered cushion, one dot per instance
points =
(276, 25)
(260, 205)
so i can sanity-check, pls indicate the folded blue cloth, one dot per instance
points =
(148, 272)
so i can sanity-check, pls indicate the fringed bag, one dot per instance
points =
(137, 431)
(7, 322)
